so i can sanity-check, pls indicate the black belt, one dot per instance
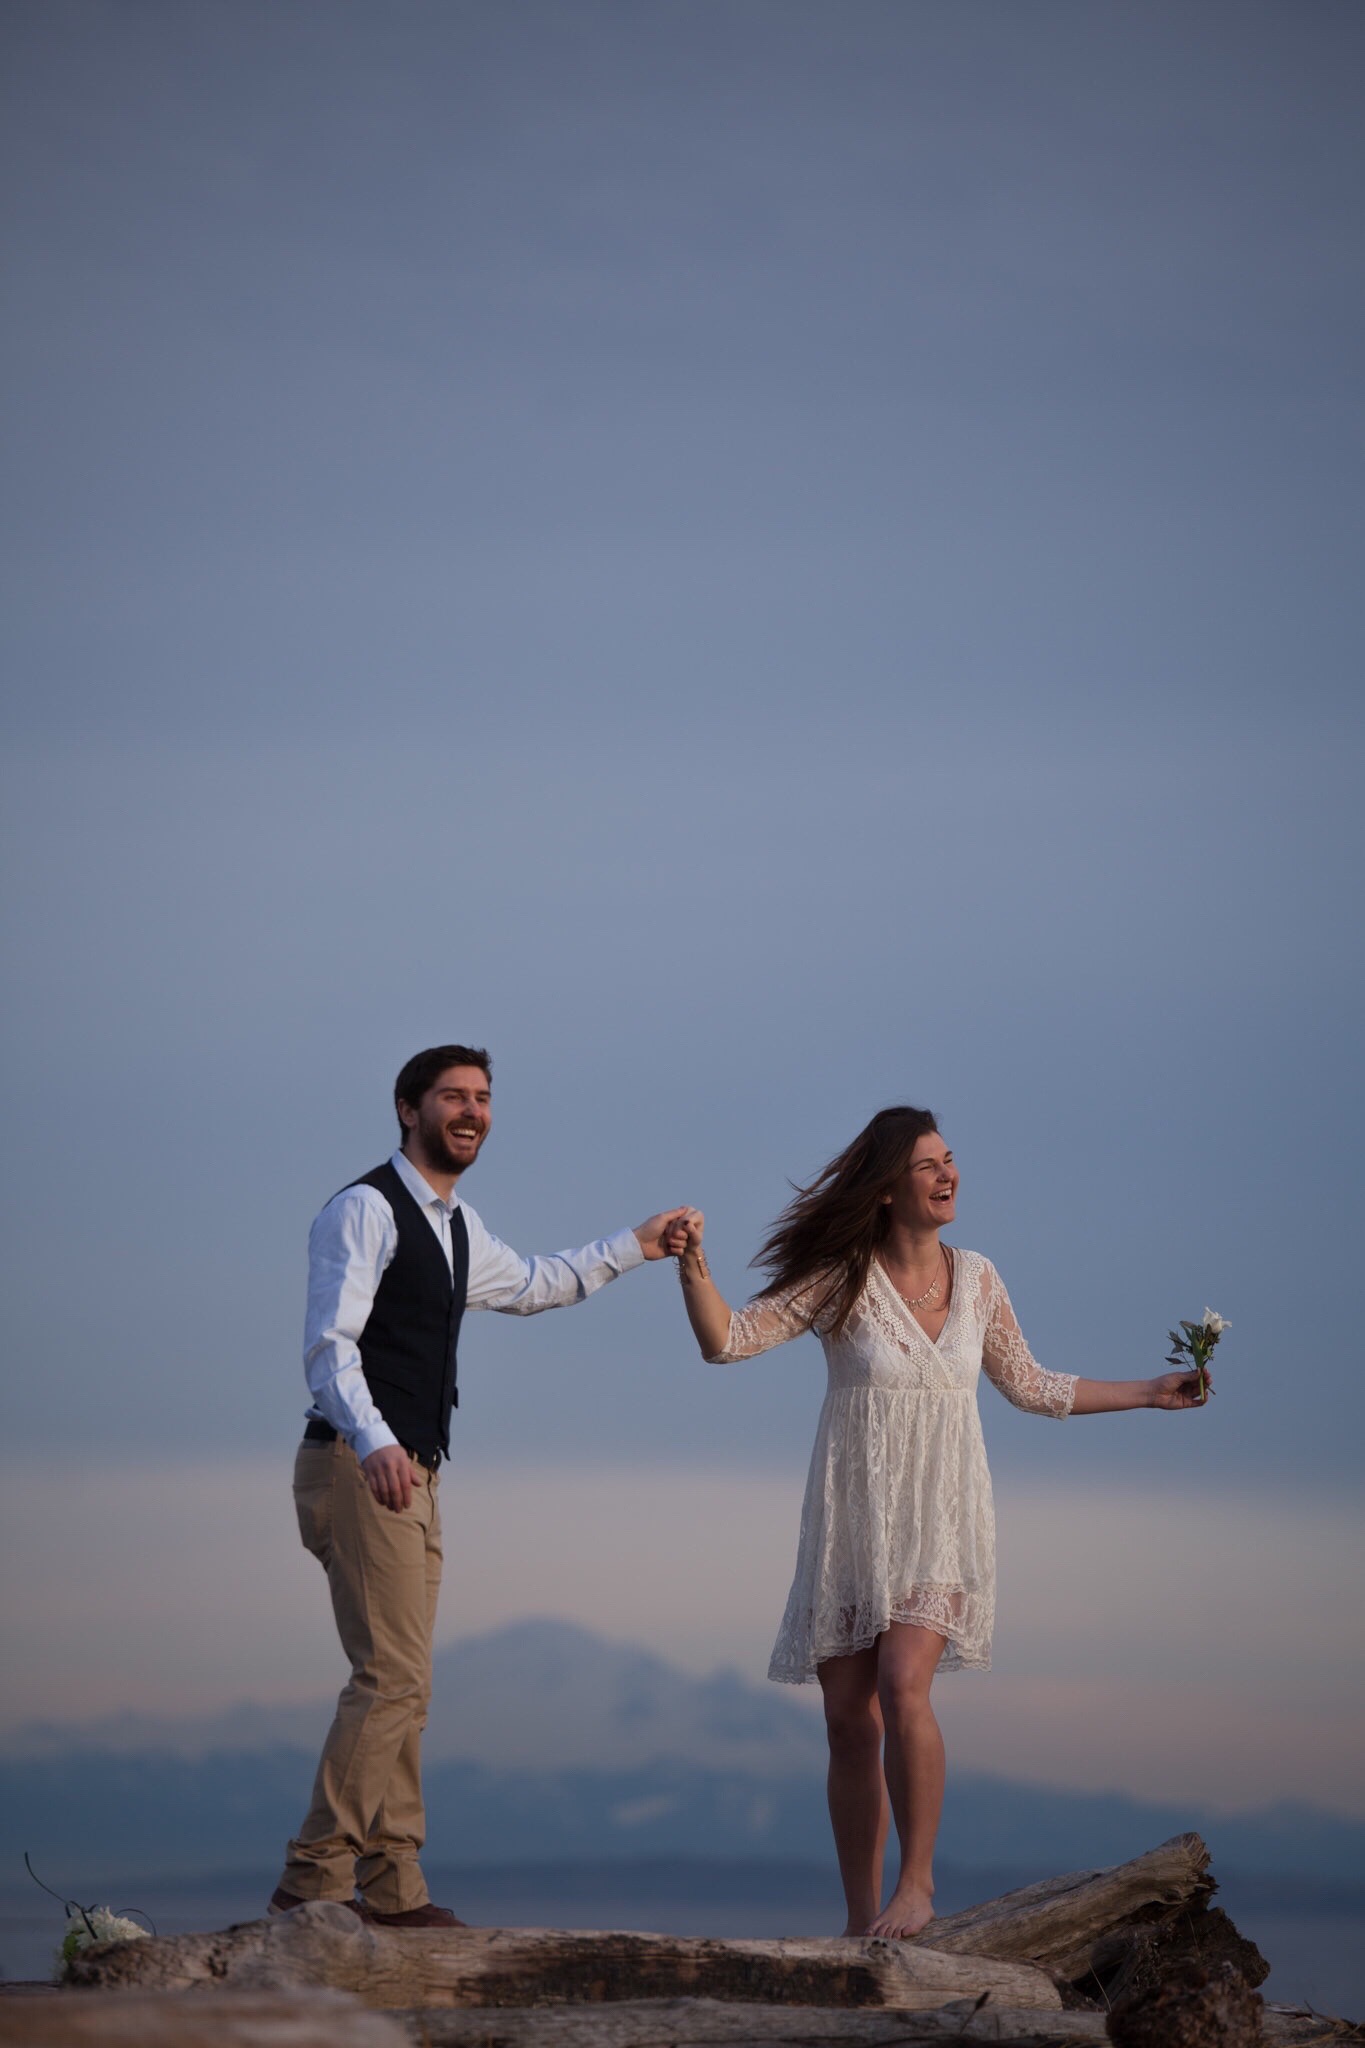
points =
(316, 1431)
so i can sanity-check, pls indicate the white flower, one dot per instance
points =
(84, 1929)
(1214, 1323)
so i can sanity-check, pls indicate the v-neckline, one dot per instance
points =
(909, 1314)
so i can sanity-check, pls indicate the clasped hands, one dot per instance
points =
(668, 1235)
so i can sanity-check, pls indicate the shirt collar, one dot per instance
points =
(421, 1190)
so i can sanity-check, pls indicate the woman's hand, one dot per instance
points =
(678, 1235)
(691, 1256)
(1181, 1390)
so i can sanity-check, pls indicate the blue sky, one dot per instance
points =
(760, 559)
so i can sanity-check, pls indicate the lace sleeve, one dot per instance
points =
(770, 1319)
(1007, 1361)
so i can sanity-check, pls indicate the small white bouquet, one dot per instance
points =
(1197, 1345)
(85, 1925)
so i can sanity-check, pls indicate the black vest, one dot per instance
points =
(407, 1347)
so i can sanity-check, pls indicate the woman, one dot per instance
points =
(895, 1572)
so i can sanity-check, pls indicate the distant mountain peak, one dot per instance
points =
(569, 1698)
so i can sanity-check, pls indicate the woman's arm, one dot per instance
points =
(725, 1335)
(707, 1309)
(1007, 1360)
(1109, 1397)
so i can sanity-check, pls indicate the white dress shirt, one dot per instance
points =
(351, 1244)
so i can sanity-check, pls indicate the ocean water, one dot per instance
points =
(1317, 1954)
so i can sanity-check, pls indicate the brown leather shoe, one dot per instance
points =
(282, 1901)
(416, 1916)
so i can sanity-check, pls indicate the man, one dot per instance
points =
(394, 1261)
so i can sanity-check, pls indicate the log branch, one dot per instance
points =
(1108, 1933)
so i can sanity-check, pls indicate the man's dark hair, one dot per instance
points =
(426, 1067)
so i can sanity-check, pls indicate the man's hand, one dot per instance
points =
(664, 1236)
(389, 1477)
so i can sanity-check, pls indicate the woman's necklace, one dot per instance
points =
(919, 1300)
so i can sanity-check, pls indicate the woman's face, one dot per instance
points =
(925, 1195)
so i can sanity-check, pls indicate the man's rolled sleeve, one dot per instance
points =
(501, 1279)
(350, 1245)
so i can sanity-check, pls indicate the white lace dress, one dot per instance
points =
(898, 1522)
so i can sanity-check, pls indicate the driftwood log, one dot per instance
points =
(326, 1945)
(1109, 1934)
(333, 2019)
(264, 2019)
(214, 2019)
(701, 2023)
(1084, 1930)
(1002, 1972)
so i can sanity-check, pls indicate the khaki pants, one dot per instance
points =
(366, 1825)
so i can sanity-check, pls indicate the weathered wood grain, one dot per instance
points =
(1109, 1934)
(1058, 1922)
(198, 2019)
(326, 1945)
(334, 2019)
(707, 2023)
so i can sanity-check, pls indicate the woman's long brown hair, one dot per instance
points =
(835, 1225)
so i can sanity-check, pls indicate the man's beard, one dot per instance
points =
(441, 1152)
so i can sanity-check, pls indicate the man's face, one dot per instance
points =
(450, 1123)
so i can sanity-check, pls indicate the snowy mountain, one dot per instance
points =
(546, 1693)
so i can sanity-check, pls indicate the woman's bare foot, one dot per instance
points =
(909, 1910)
